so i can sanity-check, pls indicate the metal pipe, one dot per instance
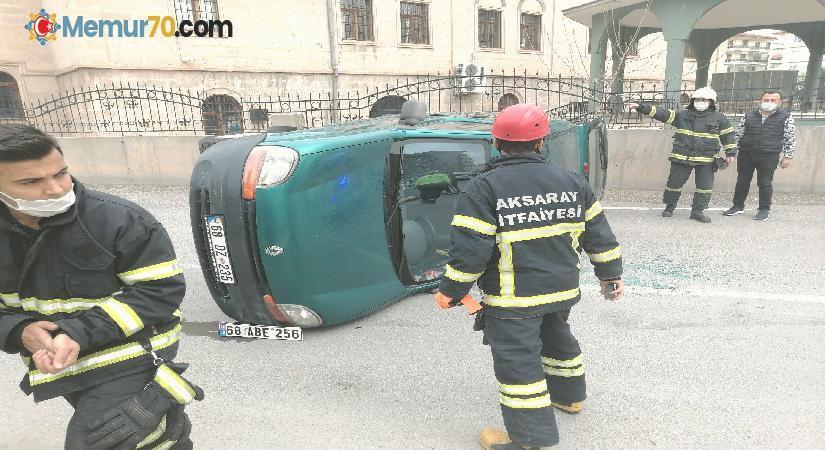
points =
(333, 55)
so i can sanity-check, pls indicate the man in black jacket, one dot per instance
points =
(518, 230)
(762, 135)
(89, 295)
(700, 130)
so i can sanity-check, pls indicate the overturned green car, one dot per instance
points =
(319, 227)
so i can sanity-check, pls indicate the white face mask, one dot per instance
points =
(40, 208)
(701, 106)
(768, 106)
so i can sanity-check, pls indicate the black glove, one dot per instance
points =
(719, 164)
(126, 425)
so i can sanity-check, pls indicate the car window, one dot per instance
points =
(433, 173)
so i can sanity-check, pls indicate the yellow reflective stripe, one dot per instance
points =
(151, 273)
(577, 361)
(564, 372)
(672, 116)
(175, 385)
(523, 389)
(704, 191)
(697, 134)
(525, 403)
(691, 158)
(51, 306)
(155, 434)
(574, 237)
(673, 189)
(729, 146)
(507, 281)
(106, 357)
(652, 111)
(726, 131)
(123, 314)
(609, 255)
(539, 232)
(166, 445)
(459, 276)
(474, 224)
(592, 211)
(525, 302)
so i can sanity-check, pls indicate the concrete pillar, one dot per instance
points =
(617, 84)
(673, 70)
(702, 63)
(598, 54)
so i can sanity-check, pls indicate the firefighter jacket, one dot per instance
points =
(518, 230)
(106, 273)
(699, 134)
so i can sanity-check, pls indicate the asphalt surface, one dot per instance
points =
(719, 343)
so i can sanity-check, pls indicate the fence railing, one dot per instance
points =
(137, 109)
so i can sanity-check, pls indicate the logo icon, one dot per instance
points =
(42, 26)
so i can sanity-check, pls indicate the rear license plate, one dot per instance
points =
(260, 331)
(218, 249)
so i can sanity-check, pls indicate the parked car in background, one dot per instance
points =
(318, 227)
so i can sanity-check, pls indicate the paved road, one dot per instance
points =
(719, 343)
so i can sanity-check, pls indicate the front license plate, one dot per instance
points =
(245, 330)
(218, 250)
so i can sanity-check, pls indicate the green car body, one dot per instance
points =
(357, 220)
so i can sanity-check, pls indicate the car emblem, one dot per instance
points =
(274, 250)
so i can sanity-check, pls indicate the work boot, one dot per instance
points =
(668, 211)
(733, 210)
(495, 439)
(569, 408)
(761, 214)
(699, 216)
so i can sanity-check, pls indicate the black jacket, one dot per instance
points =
(106, 273)
(699, 134)
(519, 229)
(759, 137)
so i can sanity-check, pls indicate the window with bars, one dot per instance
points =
(530, 32)
(489, 28)
(415, 22)
(356, 20)
(195, 10)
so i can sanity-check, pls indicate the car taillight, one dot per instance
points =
(267, 166)
(586, 168)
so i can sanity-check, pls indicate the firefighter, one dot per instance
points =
(700, 129)
(89, 295)
(518, 230)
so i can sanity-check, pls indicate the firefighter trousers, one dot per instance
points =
(535, 360)
(679, 174)
(89, 404)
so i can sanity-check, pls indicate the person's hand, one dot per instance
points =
(610, 293)
(631, 106)
(66, 350)
(785, 163)
(730, 159)
(43, 361)
(37, 336)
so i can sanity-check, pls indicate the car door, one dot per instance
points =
(423, 182)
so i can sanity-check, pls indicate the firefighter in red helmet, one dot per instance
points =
(518, 230)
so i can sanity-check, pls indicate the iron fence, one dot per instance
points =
(136, 109)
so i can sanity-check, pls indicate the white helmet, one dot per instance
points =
(705, 92)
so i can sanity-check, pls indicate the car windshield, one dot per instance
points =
(433, 174)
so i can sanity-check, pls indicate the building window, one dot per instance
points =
(222, 114)
(689, 52)
(196, 10)
(506, 100)
(632, 49)
(530, 32)
(415, 23)
(489, 28)
(11, 107)
(356, 16)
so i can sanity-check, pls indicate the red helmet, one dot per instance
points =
(521, 123)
